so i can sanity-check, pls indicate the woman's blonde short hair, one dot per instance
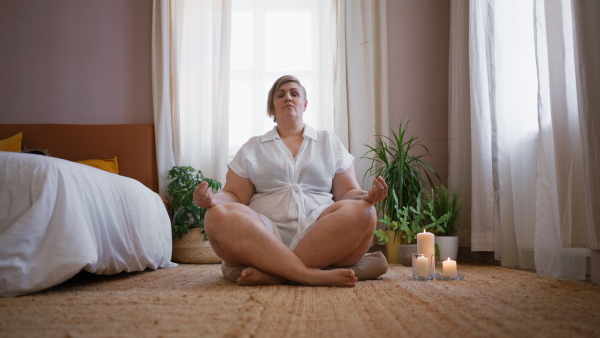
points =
(278, 83)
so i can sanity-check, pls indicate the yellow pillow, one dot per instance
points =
(12, 143)
(111, 165)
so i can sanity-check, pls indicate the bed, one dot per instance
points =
(60, 215)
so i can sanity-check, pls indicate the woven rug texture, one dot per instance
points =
(194, 300)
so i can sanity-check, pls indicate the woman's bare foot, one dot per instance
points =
(337, 277)
(251, 276)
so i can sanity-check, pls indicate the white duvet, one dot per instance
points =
(59, 217)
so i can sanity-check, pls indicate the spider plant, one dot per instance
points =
(396, 159)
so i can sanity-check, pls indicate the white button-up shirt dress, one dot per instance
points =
(291, 192)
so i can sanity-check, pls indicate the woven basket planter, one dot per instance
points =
(193, 249)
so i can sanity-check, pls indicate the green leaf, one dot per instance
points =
(382, 236)
(186, 214)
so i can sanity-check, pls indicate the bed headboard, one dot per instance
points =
(133, 144)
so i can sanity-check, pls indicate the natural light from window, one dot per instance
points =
(269, 38)
(288, 47)
(517, 84)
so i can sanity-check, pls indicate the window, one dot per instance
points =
(271, 38)
(516, 75)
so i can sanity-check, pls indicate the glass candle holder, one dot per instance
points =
(423, 266)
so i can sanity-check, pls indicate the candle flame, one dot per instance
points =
(448, 259)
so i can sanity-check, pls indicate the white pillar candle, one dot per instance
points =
(422, 266)
(426, 243)
(449, 268)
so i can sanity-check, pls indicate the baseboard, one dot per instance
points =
(484, 257)
(487, 257)
(464, 255)
(592, 271)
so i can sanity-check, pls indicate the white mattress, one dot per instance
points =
(59, 217)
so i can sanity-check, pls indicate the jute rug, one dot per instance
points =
(196, 301)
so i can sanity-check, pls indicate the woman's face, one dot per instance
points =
(289, 103)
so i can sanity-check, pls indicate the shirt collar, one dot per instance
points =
(272, 134)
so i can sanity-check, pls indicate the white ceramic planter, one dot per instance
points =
(448, 246)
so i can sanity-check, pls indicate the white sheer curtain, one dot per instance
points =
(190, 59)
(361, 84)
(191, 56)
(530, 197)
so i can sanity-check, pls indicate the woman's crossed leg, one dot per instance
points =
(340, 237)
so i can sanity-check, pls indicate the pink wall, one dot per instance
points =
(75, 62)
(88, 62)
(418, 52)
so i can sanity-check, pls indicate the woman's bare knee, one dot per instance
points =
(231, 218)
(361, 214)
(370, 217)
(224, 212)
(219, 218)
(214, 217)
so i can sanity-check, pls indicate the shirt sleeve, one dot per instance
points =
(343, 158)
(237, 164)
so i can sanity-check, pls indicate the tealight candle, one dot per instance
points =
(449, 268)
(422, 266)
(426, 243)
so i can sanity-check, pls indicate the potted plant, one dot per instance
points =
(405, 173)
(444, 201)
(190, 244)
(411, 220)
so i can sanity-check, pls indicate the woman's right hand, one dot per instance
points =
(203, 196)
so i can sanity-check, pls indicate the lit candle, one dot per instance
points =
(426, 243)
(422, 266)
(449, 268)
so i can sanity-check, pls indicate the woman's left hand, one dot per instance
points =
(377, 192)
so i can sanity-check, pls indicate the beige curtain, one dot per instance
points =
(161, 90)
(190, 59)
(530, 129)
(459, 109)
(587, 52)
(191, 74)
(361, 84)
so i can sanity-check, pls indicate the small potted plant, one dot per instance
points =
(445, 202)
(405, 173)
(411, 220)
(190, 244)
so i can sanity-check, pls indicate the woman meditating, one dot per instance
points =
(291, 208)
